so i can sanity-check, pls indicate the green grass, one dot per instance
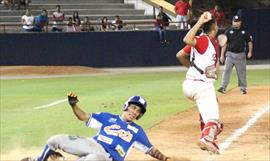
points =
(22, 125)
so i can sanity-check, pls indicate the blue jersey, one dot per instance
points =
(118, 136)
(41, 21)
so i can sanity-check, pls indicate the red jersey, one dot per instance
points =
(181, 8)
(219, 15)
(205, 54)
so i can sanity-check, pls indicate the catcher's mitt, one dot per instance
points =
(72, 99)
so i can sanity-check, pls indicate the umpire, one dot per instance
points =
(239, 43)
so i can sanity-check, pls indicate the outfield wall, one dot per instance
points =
(96, 49)
(104, 49)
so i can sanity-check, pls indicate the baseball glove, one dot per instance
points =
(72, 99)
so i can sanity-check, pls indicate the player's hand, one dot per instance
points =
(205, 17)
(222, 59)
(249, 55)
(72, 99)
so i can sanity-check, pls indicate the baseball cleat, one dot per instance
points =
(221, 90)
(28, 159)
(243, 91)
(212, 148)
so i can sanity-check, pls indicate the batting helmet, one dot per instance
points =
(139, 101)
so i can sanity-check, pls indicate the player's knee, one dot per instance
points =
(54, 141)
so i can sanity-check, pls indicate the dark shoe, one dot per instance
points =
(221, 90)
(243, 91)
(166, 42)
(28, 159)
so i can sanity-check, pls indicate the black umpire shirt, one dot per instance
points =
(237, 40)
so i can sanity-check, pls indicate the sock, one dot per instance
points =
(45, 154)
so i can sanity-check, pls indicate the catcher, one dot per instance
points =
(117, 135)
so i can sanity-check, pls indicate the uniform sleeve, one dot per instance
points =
(96, 120)
(227, 33)
(248, 37)
(142, 143)
(187, 49)
(201, 44)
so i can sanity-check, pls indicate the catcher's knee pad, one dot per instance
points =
(211, 129)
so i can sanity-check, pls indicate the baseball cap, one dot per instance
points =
(236, 18)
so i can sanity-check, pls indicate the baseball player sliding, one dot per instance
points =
(117, 135)
(202, 67)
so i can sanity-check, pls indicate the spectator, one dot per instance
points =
(9, 3)
(165, 17)
(182, 7)
(75, 17)
(105, 26)
(218, 14)
(58, 18)
(28, 21)
(41, 21)
(70, 25)
(117, 23)
(77, 25)
(22, 2)
(159, 25)
(86, 25)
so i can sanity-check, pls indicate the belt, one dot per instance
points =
(236, 52)
(196, 80)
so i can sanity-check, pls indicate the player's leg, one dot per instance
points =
(240, 67)
(226, 76)
(185, 19)
(208, 107)
(178, 21)
(94, 157)
(75, 145)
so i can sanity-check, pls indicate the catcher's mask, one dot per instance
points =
(139, 101)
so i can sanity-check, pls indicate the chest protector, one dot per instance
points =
(203, 66)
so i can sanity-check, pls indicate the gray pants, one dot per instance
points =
(239, 61)
(86, 149)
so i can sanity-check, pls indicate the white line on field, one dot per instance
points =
(50, 104)
(237, 133)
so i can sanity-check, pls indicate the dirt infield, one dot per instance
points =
(177, 136)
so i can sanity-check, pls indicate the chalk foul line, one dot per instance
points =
(237, 133)
(50, 104)
(244, 128)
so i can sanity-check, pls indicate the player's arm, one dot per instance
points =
(250, 45)
(250, 49)
(183, 56)
(222, 54)
(155, 153)
(189, 39)
(78, 112)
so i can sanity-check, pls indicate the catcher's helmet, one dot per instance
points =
(139, 101)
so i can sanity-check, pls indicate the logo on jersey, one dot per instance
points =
(120, 150)
(116, 130)
(112, 120)
(231, 32)
(243, 32)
